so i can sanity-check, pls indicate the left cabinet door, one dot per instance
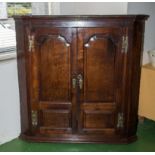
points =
(51, 70)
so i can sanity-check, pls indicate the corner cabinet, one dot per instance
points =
(79, 77)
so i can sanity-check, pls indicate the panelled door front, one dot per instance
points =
(76, 80)
(100, 80)
(51, 61)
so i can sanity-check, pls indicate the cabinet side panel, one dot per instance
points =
(138, 39)
(21, 64)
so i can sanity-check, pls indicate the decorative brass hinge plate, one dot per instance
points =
(125, 44)
(34, 117)
(120, 120)
(31, 42)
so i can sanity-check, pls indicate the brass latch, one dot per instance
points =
(80, 81)
(74, 83)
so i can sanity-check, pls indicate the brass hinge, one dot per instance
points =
(120, 120)
(31, 42)
(125, 44)
(34, 117)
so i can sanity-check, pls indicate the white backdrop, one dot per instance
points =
(3, 10)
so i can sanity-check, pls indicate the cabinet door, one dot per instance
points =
(51, 65)
(100, 80)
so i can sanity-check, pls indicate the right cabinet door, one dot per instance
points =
(101, 74)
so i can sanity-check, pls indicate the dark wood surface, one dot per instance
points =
(89, 50)
(99, 57)
(51, 72)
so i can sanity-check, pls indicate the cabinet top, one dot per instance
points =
(83, 17)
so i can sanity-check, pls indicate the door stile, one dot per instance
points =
(80, 72)
(74, 80)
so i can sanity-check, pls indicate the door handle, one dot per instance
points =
(74, 83)
(80, 81)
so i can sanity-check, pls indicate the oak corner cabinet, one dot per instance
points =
(79, 77)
